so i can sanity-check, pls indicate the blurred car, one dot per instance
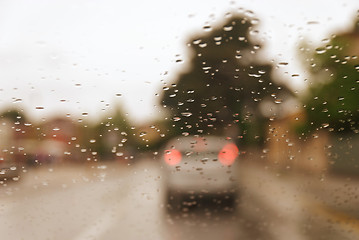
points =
(9, 169)
(200, 170)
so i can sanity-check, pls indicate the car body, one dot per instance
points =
(199, 169)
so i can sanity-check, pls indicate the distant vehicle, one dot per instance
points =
(200, 170)
(9, 169)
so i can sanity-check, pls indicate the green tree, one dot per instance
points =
(333, 98)
(225, 84)
(110, 137)
(14, 115)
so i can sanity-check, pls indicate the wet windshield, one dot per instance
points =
(179, 120)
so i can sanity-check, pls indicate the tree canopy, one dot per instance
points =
(333, 99)
(225, 84)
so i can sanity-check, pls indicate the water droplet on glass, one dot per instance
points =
(197, 41)
(176, 119)
(282, 63)
(16, 178)
(255, 21)
(312, 22)
(186, 114)
(228, 28)
(249, 13)
(254, 32)
(320, 50)
(207, 28)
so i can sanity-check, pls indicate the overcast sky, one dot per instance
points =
(88, 57)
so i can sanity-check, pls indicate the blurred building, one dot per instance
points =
(57, 144)
(289, 150)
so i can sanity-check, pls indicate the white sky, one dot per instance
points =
(73, 57)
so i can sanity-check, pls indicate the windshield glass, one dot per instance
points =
(179, 120)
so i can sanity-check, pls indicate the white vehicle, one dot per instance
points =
(200, 170)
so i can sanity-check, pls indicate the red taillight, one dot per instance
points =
(228, 154)
(172, 157)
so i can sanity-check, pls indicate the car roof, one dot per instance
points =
(198, 143)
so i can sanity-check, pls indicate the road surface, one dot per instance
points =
(116, 201)
(109, 201)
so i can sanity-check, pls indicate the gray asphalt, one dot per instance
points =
(116, 201)
(105, 202)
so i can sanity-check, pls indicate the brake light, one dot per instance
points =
(172, 157)
(228, 154)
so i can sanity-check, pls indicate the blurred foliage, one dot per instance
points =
(152, 136)
(333, 97)
(110, 137)
(225, 84)
(14, 115)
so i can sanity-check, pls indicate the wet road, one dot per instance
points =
(106, 202)
(115, 201)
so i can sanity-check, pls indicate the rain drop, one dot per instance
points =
(228, 28)
(176, 119)
(186, 114)
(207, 28)
(320, 50)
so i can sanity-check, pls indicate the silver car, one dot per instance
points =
(200, 170)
